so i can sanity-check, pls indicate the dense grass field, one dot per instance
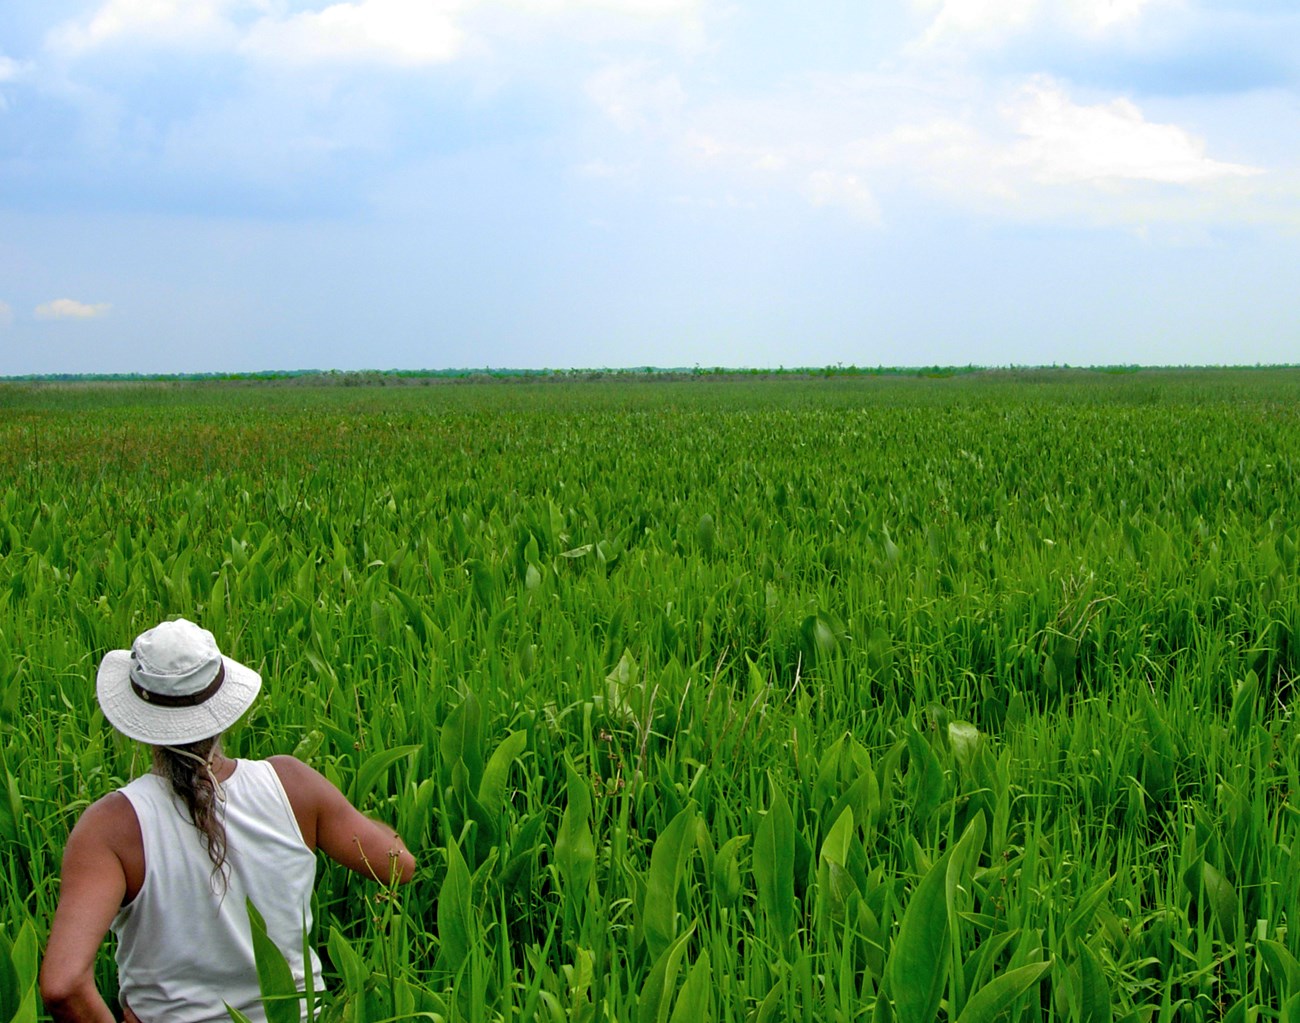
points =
(857, 698)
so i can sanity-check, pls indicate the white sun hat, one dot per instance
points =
(174, 686)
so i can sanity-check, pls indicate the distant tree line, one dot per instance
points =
(425, 377)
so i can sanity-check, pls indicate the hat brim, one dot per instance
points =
(171, 726)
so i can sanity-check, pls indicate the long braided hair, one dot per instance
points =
(187, 767)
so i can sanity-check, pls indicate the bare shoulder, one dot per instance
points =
(302, 778)
(93, 886)
(332, 824)
(110, 821)
(106, 847)
(305, 787)
(291, 769)
(301, 781)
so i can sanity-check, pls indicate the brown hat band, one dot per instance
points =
(188, 700)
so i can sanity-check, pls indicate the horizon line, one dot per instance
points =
(491, 372)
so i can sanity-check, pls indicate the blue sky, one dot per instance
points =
(235, 185)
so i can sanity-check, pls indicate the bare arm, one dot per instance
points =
(92, 889)
(333, 825)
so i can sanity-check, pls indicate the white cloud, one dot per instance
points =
(920, 126)
(964, 18)
(71, 309)
(1025, 150)
(632, 8)
(604, 170)
(765, 146)
(636, 95)
(1099, 15)
(405, 33)
(174, 23)
(989, 22)
(1065, 142)
(10, 71)
(402, 33)
(6, 314)
(845, 190)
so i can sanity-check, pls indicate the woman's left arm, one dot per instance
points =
(92, 889)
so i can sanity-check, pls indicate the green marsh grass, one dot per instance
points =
(850, 699)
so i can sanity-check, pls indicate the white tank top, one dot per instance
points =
(184, 948)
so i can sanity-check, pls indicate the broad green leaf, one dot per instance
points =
(461, 740)
(349, 964)
(1237, 1013)
(961, 864)
(774, 868)
(820, 636)
(1095, 992)
(704, 843)
(274, 977)
(11, 810)
(310, 995)
(415, 614)
(18, 969)
(575, 850)
(487, 824)
(414, 813)
(835, 846)
(925, 777)
(9, 987)
(455, 912)
(863, 797)
(964, 740)
(1282, 966)
(918, 960)
(373, 769)
(309, 744)
(215, 619)
(485, 581)
(1202, 878)
(1243, 704)
(1080, 918)
(706, 533)
(667, 860)
(883, 1011)
(726, 870)
(769, 1010)
(652, 1003)
(835, 885)
(828, 772)
(524, 847)
(997, 995)
(891, 548)
(979, 967)
(1017, 710)
(491, 791)
(26, 957)
(403, 1002)
(693, 1002)
(872, 932)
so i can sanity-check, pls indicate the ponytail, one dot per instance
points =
(188, 769)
